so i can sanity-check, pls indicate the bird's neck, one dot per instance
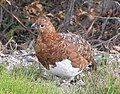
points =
(49, 37)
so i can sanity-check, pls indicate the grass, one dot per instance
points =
(104, 81)
(18, 82)
(23, 81)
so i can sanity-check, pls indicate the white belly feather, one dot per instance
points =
(64, 69)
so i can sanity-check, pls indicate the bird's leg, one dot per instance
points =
(78, 78)
(66, 82)
(73, 80)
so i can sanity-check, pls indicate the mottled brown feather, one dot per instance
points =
(52, 47)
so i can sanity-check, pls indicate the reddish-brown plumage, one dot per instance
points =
(52, 47)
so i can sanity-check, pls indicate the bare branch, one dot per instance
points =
(65, 25)
(17, 20)
(117, 18)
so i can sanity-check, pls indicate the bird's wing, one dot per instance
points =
(79, 49)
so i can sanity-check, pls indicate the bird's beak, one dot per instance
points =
(33, 26)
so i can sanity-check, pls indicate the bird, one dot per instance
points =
(63, 54)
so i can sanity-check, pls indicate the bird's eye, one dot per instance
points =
(41, 26)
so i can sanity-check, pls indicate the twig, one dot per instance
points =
(15, 45)
(7, 43)
(117, 3)
(64, 27)
(45, 4)
(17, 20)
(6, 28)
(82, 26)
(103, 28)
(107, 42)
(117, 18)
(1, 16)
(89, 29)
(113, 38)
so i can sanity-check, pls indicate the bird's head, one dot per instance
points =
(43, 26)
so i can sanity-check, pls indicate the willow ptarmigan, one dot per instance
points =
(63, 54)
